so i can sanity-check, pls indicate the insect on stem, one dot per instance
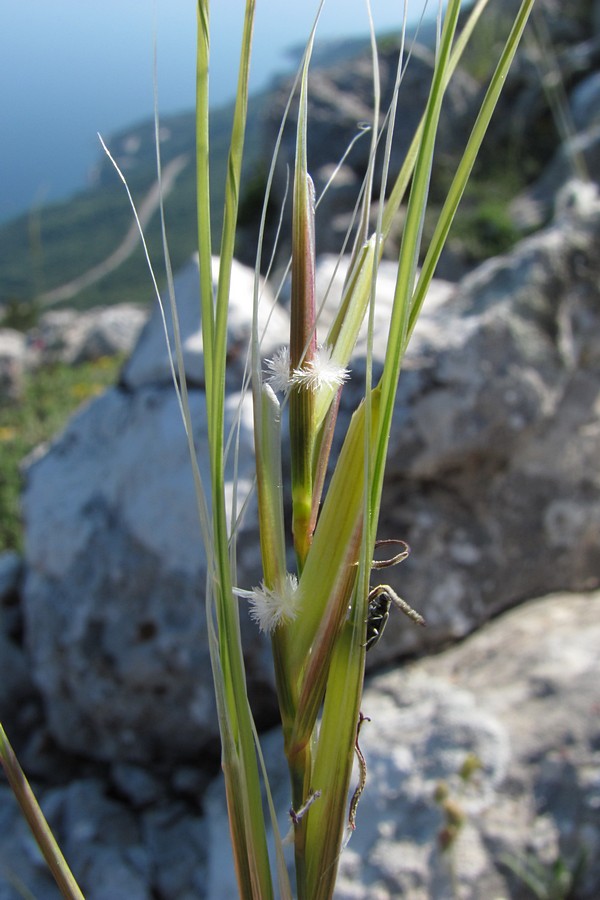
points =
(380, 601)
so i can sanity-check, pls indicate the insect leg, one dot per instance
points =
(398, 602)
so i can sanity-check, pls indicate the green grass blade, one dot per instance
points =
(332, 768)
(283, 879)
(242, 786)
(236, 790)
(467, 161)
(409, 251)
(346, 326)
(232, 186)
(272, 534)
(203, 189)
(176, 358)
(37, 822)
(235, 720)
(403, 178)
(270, 489)
(327, 561)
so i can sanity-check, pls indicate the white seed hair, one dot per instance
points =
(320, 371)
(279, 367)
(269, 607)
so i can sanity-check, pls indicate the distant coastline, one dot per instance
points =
(49, 119)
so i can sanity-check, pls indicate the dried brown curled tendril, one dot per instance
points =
(362, 778)
(393, 560)
(296, 815)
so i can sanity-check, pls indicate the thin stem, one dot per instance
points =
(37, 822)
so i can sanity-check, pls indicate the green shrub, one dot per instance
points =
(51, 395)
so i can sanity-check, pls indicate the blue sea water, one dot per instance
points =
(72, 68)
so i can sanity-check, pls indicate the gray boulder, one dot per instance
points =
(116, 571)
(17, 694)
(492, 479)
(481, 761)
(114, 591)
(13, 363)
(585, 102)
(149, 364)
(70, 336)
(492, 474)
(564, 69)
(114, 852)
(340, 103)
(11, 573)
(101, 840)
(577, 154)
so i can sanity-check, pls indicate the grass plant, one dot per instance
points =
(313, 601)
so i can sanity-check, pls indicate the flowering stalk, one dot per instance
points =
(316, 617)
(325, 639)
(303, 340)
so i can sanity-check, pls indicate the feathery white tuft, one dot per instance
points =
(279, 367)
(320, 371)
(269, 608)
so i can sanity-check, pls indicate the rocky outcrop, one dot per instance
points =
(481, 760)
(560, 66)
(492, 479)
(16, 685)
(502, 771)
(72, 337)
(13, 363)
(482, 763)
(546, 143)
(491, 474)
(67, 336)
(116, 569)
(340, 107)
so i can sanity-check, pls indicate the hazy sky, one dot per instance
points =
(70, 68)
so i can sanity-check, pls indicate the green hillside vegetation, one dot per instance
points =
(51, 395)
(51, 246)
(54, 245)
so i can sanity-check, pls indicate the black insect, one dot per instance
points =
(381, 598)
(380, 602)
